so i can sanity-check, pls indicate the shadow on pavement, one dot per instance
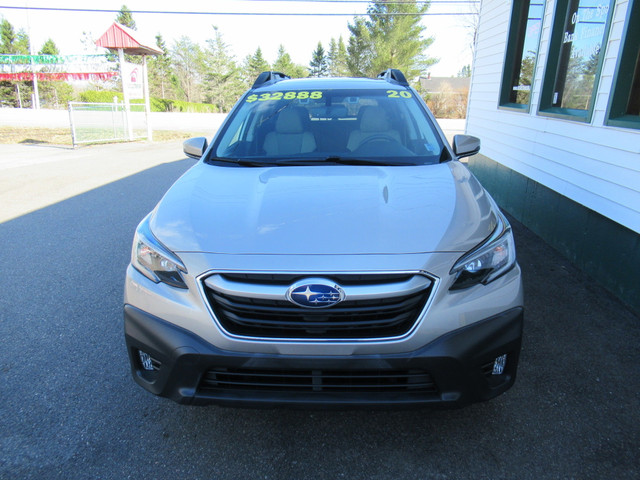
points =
(71, 410)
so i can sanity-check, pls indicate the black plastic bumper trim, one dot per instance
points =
(455, 361)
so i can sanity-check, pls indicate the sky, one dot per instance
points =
(242, 33)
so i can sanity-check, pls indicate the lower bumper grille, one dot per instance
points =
(221, 380)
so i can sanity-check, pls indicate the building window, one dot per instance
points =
(522, 52)
(624, 105)
(576, 52)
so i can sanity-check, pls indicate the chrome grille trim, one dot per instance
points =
(264, 291)
(263, 294)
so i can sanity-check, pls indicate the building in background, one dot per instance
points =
(555, 98)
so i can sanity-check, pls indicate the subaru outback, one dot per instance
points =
(328, 248)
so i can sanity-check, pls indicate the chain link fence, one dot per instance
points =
(106, 122)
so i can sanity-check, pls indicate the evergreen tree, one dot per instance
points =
(13, 43)
(125, 17)
(223, 83)
(318, 66)
(14, 93)
(253, 66)
(160, 71)
(285, 65)
(332, 55)
(49, 48)
(337, 58)
(360, 50)
(283, 62)
(391, 37)
(465, 71)
(53, 94)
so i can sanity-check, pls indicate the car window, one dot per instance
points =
(387, 124)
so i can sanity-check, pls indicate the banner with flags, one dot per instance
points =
(57, 67)
(6, 59)
(57, 76)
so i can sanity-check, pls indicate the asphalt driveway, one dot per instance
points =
(69, 409)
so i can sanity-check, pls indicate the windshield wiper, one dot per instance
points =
(364, 161)
(242, 162)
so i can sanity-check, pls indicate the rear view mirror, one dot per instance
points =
(194, 147)
(465, 145)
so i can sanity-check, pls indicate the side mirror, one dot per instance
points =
(465, 145)
(194, 147)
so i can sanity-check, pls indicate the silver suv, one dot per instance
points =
(327, 249)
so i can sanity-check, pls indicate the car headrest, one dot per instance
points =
(374, 119)
(290, 120)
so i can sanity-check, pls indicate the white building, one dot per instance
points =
(555, 99)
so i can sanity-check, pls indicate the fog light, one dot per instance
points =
(498, 365)
(147, 362)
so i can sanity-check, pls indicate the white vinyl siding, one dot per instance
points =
(595, 165)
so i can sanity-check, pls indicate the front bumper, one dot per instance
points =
(453, 370)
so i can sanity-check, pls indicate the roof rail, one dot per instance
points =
(393, 75)
(267, 78)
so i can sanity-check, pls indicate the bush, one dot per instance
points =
(157, 104)
(448, 103)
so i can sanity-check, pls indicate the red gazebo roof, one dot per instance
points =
(119, 36)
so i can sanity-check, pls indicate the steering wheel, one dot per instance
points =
(380, 137)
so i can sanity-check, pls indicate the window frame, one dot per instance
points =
(627, 66)
(545, 107)
(518, 13)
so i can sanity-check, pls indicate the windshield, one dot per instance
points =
(381, 126)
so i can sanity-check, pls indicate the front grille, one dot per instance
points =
(223, 379)
(375, 317)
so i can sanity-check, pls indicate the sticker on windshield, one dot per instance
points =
(275, 96)
(398, 94)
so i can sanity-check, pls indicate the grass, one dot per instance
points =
(62, 136)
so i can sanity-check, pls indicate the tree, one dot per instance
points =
(525, 78)
(360, 49)
(49, 48)
(222, 81)
(465, 71)
(285, 65)
(337, 58)
(53, 93)
(125, 17)
(15, 94)
(160, 70)
(392, 37)
(318, 66)
(253, 66)
(188, 64)
(471, 22)
(13, 43)
(283, 61)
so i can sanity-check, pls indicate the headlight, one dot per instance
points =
(491, 259)
(154, 260)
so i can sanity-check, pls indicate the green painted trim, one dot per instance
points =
(625, 70)
(518, 12)
(545, 107)
(566, 114)
(515, 107)
(604, 249)
(625, 121)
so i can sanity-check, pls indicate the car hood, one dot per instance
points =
(322, 210)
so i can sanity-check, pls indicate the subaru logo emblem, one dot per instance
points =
(315, 293)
